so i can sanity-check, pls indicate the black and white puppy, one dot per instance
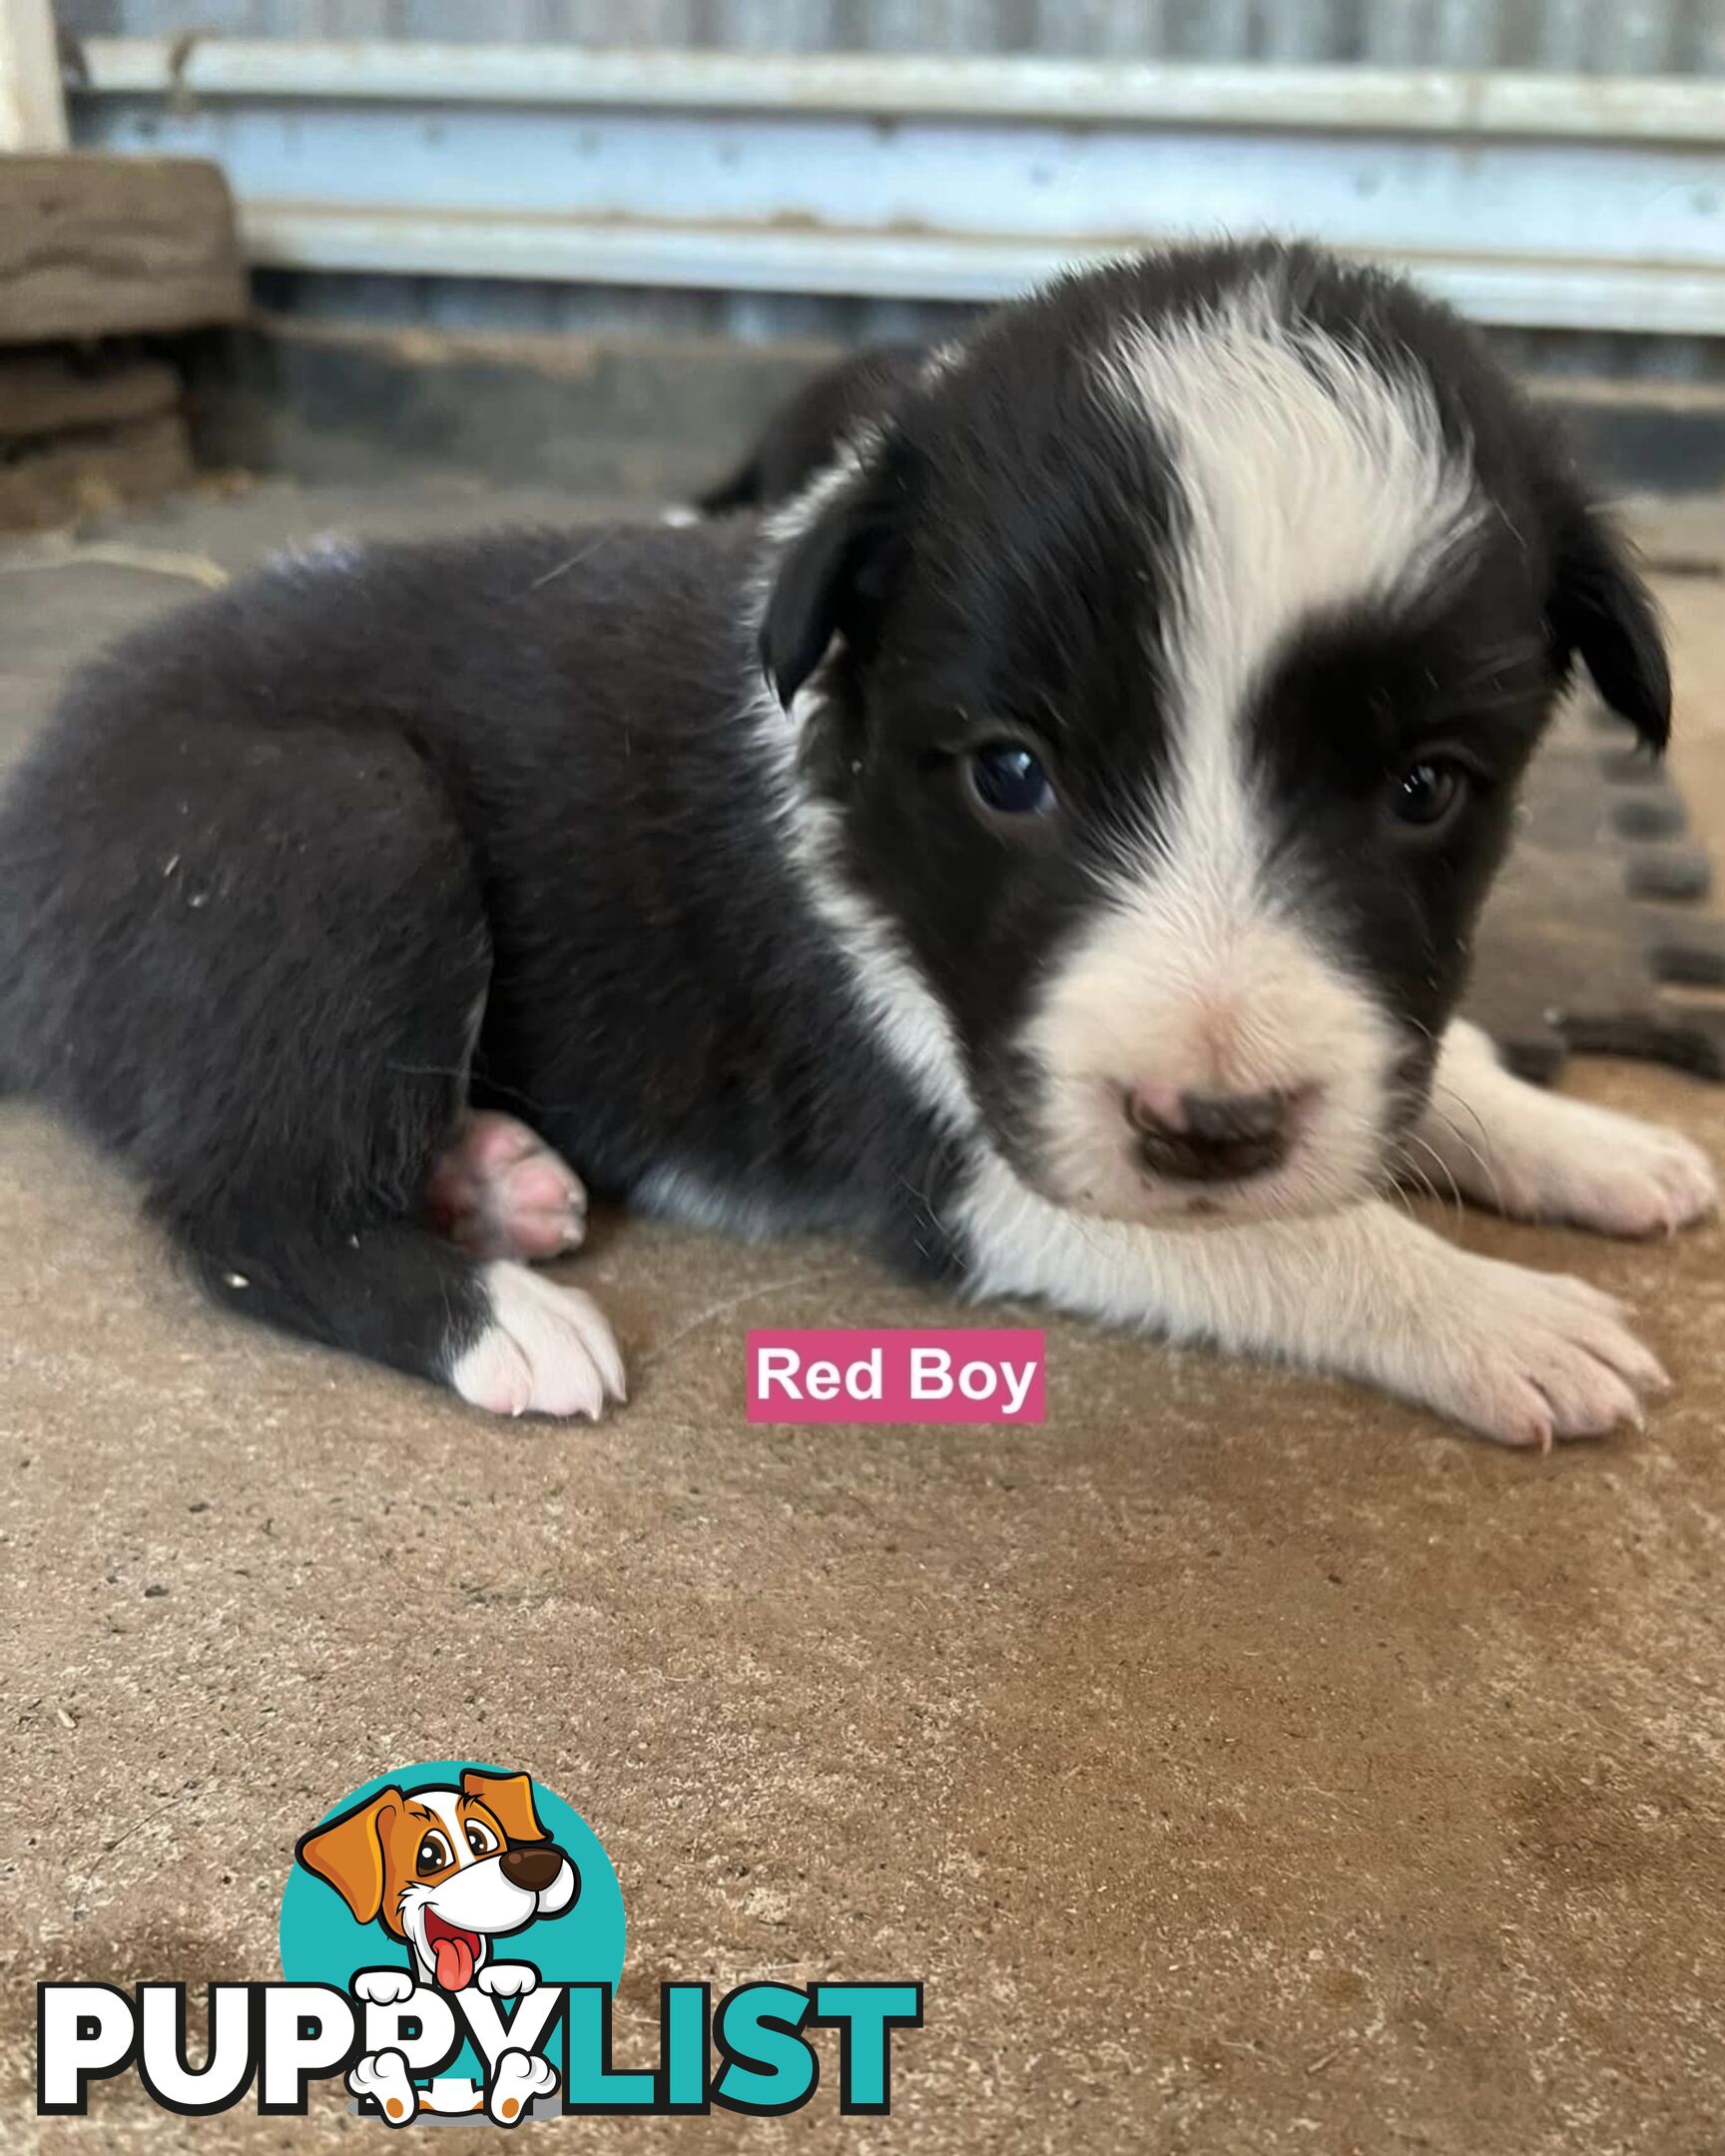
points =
(1049, 850)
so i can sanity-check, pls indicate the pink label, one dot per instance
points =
(881, 1373)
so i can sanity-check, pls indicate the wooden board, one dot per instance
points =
(45, 394)
(102, 246)
(67, 478)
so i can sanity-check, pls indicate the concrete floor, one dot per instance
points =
(1243, 1761)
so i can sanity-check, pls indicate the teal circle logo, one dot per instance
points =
(466, 1879)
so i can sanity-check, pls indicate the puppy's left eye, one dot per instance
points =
(480, 1840)
(434, 1855)
(1429, 793)
(1008, 779)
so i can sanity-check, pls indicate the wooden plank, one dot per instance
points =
(32, 107)
(49, 392)
(99, 246)
(84, 474)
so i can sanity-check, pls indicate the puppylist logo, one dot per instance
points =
(451, 1937)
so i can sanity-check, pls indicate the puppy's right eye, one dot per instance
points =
(1008, 779)
(434, 1855)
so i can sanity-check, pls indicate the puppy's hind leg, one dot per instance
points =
(276, 1038)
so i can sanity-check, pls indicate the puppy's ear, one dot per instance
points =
(509, 1799)
(349, 1853)
(835, 575)
(1600, 609)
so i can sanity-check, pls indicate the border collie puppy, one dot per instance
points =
(1049, 850)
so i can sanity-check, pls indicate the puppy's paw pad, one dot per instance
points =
(383, 2077)
(519, 2078)
(1529, 1357)
(543, 1351)
(500, 1191)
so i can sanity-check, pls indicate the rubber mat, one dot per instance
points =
(1597, 938)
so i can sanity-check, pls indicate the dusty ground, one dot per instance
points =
(1243, 1761)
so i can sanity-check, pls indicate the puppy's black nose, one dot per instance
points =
(1210, 1137)
(532, 1868)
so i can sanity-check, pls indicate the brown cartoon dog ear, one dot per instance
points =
(509, 1797)
(349, 1853)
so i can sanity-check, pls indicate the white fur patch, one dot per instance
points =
(1367, 1293)
(1538, 1156)
(325, 553)
(680, 1194)
(545, 1350)
(1311, 480)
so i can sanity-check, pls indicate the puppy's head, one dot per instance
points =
(445, 1870)
(1160, 673)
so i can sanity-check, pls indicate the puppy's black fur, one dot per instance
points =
(801, 435)
(297, 872)
(299, 867)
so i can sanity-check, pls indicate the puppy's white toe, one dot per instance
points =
(508, 1979)
(544, 1350)
(518, 2080)
(383, 2076)
(1527, 1357)
(1615, 1174)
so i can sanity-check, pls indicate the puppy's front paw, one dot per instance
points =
(1525, 1357)
(518, 2080)
(543, 1351)
(382, 2076)
(1600, 1170)
(508, 1979)
(382, 1987)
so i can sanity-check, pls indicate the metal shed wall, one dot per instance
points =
(1630, 37)
(1633, 200)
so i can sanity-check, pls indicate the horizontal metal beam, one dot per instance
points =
(1536, 201)
(1503, 103)
(296, 236)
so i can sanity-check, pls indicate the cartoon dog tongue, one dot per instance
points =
(454, 1954)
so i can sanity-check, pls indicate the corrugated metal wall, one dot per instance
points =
(1630, 37)
(1616, 37)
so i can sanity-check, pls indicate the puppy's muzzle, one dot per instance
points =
(532, 1869)
(1211, 1137)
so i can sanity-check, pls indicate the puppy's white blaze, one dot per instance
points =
(1311, 479)
(1308, 481)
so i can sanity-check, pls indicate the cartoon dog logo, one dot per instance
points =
(446, 1870)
